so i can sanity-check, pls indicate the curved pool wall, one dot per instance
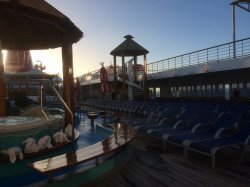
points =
(15, 129)
(18, 174)
(84, 178)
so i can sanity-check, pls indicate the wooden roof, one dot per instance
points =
(34, 24)
(241, 1)
(129, 48)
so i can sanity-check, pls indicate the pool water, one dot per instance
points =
(18, 174)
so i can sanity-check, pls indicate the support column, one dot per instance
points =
(135, 68)
(68, 81)
(145, 78)
(123, 78)
(115, 78)
(2, 85)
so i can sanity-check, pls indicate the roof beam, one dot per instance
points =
(243, 4)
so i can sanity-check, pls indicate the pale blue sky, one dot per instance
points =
(164, 27)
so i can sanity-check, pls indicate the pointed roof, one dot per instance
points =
(34, 24)
(129, 48)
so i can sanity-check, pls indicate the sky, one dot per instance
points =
(166, 28)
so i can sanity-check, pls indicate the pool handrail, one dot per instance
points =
(67, 108)
(44, 113)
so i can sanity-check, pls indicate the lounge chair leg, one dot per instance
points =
(213, 153)
(185, 152)
(50, 178)
(186, 145)
(148, 140)
(213, 163)
(164, 145)
(243, 154)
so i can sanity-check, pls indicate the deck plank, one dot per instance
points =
(153, 167)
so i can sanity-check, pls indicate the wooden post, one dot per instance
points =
(115, 78)
(2, 85)
(135, 69)
(68, 82)
(123, 78)
(145, 78)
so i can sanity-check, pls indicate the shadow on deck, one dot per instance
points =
(149, 166)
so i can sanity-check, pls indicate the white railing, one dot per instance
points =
(204, 56)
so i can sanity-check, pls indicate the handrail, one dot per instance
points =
(41, 106)
(68, 109)
(203, 56)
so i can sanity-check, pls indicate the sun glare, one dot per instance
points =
(50, 59)
(4, 55)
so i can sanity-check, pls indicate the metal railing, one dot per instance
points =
(204, 56)
(44, 113)
(49, 87)
(67, 108)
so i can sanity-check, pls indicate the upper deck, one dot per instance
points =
(213, 59)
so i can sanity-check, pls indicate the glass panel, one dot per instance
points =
(227, 92)
(157, 92)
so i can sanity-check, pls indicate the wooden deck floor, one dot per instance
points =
(149, 166)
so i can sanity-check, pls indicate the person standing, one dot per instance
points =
(103, 79)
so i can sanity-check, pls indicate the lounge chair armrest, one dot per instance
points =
(164, 120)
(194, 129)
(247, 140)
(178, 123)
(220, 131)
(167, 120)
(154, 119)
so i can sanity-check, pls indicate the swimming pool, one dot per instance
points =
(15, 129)
(19, 174)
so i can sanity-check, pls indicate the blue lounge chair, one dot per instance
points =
(201, 118)
(184, 116)
(210, 147)
(169, 113)
(219, 127)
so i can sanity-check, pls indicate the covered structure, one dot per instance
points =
(129, 48)
(244, 4)
(29, 24)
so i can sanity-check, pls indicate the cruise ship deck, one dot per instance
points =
(180, 121)
(150, 166)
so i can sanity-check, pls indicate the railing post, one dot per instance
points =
(198, 58)
(242, 48)
(157, 67)
(229, 52)
(189, 59)
(217, 53)
(182, 61)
